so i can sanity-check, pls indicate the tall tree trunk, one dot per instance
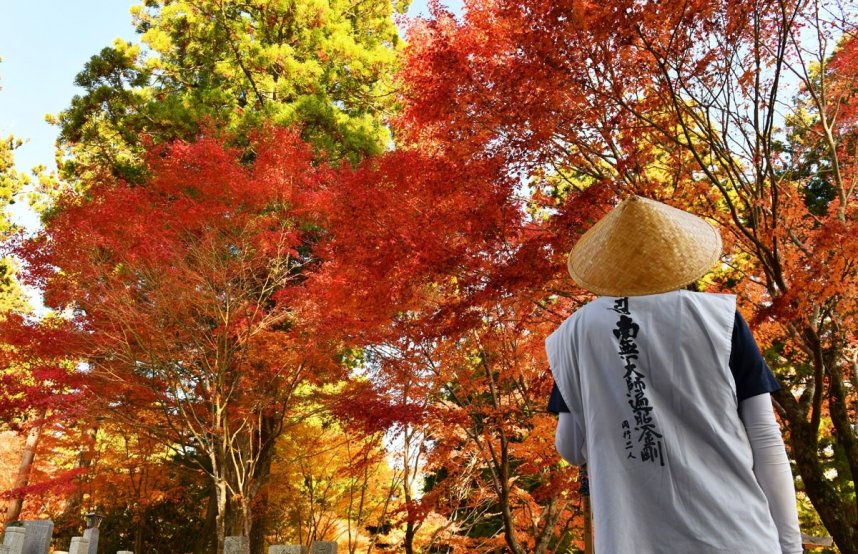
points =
(22, 479)
(802, 420)
(139, 531)
(410, 528)
(260, 523)
(823, 497)
(261, 516)
(204, 543)
(234, 514)
(409, 537)
(501, 477)
(221, 490)
(247, 522)
(553, 510)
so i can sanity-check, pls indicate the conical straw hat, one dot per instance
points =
(643, 247)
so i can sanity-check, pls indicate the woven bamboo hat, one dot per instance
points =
(643, 247)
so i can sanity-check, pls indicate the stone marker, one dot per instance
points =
(814, 542)
(91, 534)
(287, 549)
(79, 545)
(38, 538)
(14, 539)
(236, 545)
(124, 552)
(323, 547)
(7, 549)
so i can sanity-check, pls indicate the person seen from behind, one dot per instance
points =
(664, 394)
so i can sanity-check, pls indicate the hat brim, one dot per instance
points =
(643, 247)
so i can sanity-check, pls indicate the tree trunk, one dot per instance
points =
(234, 514)
(247, 523)
(261, 517)
(803, 443)
(553, 510)
(204, 543)
(220, 488)
(503, 500)
(259, 525)
(409, 537)
(138, 532)
(22, 479)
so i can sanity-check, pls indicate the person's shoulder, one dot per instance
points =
(589, 310)
(715, 298)
(708, 294)
(570, 323)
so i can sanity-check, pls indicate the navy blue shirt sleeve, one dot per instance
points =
(556, 404)
(750, 371)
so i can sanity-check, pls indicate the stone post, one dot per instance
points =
(124, 552)
(38, 539)
(236, 545)
(14, 539)
(287, 549)
(79, 545)
(91, 534)
(323, 547)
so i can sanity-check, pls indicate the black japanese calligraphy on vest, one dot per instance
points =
(650, 447)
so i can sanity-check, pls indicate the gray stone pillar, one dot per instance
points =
(287, 549)
(236, 545)
(38, 539)
(92, 535)
(79, 545)
(14, 539)
(323, 547)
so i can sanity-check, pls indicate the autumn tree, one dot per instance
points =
(207, 285)
(446, 247)
(184, 294)
(333, 481)
(30, 380)
(324, 67)
(39, 390)
(136, 481)
(12, 184)
(408, 385)
(495, 472)
(389, 401)
(684, 102)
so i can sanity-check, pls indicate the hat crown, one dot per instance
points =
(643, 247)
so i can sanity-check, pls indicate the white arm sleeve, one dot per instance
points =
(569, 440)
(772, 469)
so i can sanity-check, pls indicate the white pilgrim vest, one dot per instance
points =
(671, 469)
